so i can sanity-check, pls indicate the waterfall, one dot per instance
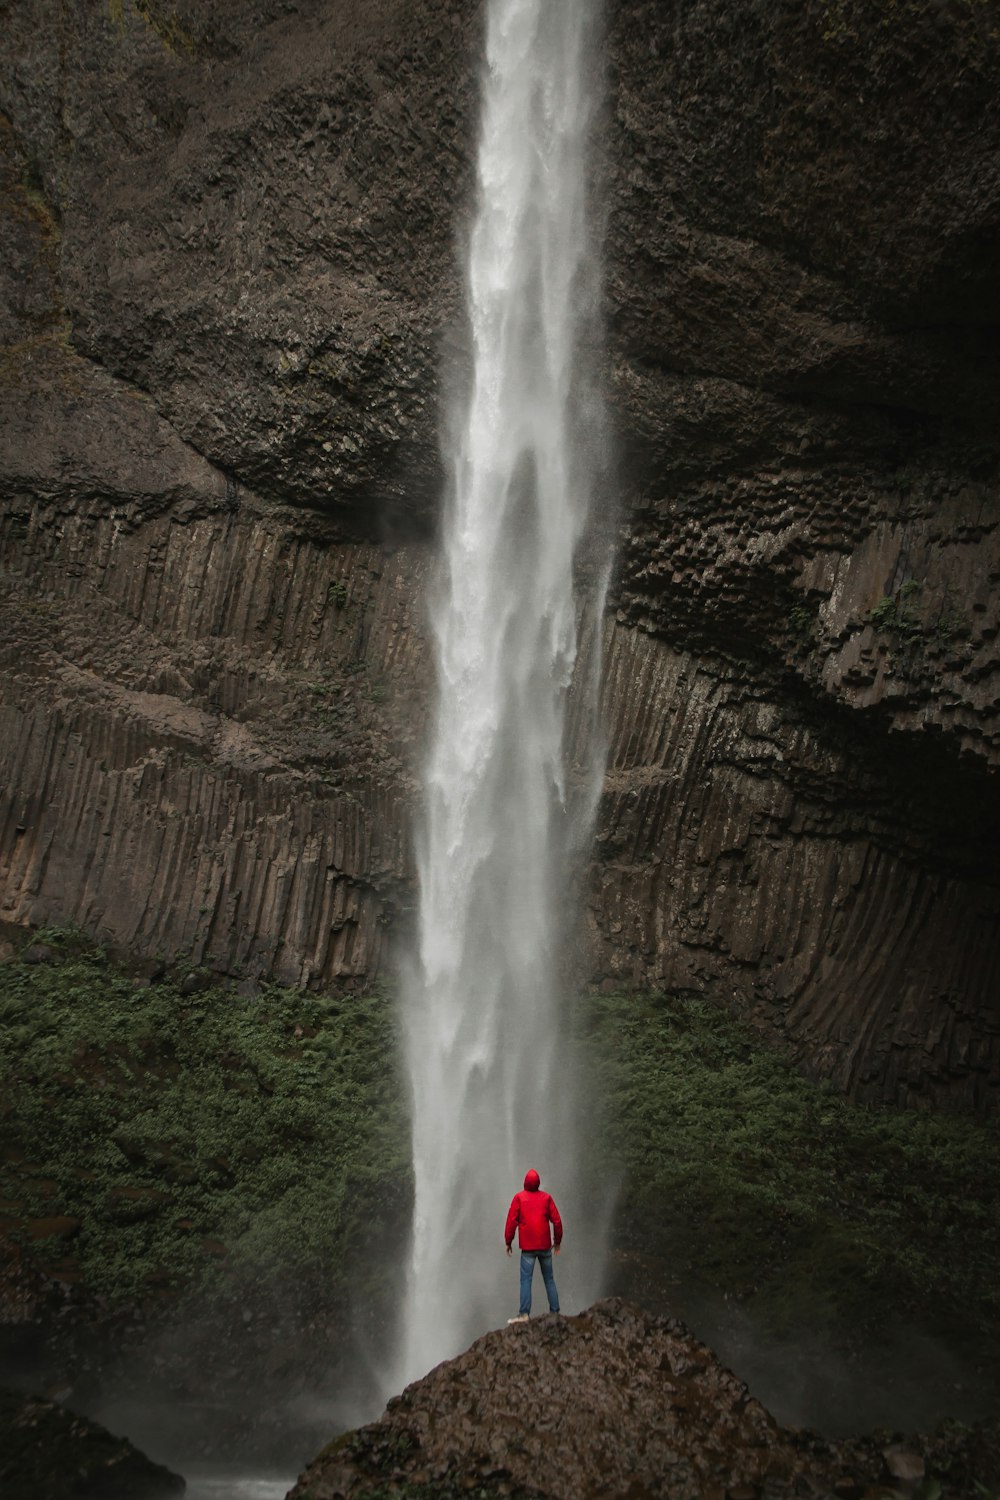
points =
(490, 1071)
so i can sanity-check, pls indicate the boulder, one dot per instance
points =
(49, 1453)
(618, 1402)
(613, 1401)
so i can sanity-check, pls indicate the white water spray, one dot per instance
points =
(491, 1079)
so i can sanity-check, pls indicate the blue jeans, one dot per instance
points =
(544, 1258)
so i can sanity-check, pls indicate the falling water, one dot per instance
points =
(491, 1077)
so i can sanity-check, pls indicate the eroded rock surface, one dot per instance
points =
(256, 212)
(612, 1402)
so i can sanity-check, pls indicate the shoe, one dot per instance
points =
(521, 1318)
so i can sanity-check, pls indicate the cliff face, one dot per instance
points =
(804, 313)
(208, 720)
(233, 265)
(229, 294)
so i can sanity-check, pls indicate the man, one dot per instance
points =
(531, 1213)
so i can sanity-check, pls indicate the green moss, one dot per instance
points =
(802, 622)
(165, 22)
(38, 206)
(752, 1181)
(202, 1137)
(912, 625)
(898, 613)
(216, 1138)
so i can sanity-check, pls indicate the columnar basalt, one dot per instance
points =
(229, 284)
(211, 704)
(761, 850)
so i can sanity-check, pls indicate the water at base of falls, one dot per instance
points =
(229, 1486)
(491, 1075)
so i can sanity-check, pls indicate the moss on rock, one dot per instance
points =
(191, 1138)
(751, 1181)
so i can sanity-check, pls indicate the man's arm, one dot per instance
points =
(513, 1214)
(557, 1226)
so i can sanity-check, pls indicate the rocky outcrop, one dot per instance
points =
(229, 291)
(49, 1453)
(612, 1402)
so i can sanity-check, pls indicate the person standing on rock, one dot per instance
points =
(531, 1213)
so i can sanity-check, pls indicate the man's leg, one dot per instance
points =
(545, 1257)
(527, 1271)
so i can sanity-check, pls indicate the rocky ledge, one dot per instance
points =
(49, 1453)
(617, 1402)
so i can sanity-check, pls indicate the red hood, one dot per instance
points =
(531, 1180)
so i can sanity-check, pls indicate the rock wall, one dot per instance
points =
(767, 853)
(801, 814)
(256, 211)
(210, 703)
(229, 291)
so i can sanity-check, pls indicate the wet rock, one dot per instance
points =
(23, 1288)
(909, 1468)
(195, 983)
(39, 953)
(49, 1453)
(621, 1403)
(615, 1402)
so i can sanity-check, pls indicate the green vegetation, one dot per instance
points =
(225, 1138)
(900, 616)
(201, 1136)
(802, 622)
(745, 1178)
(36, 201)
(898, 612)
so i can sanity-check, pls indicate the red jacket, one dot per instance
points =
(531, 1213)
